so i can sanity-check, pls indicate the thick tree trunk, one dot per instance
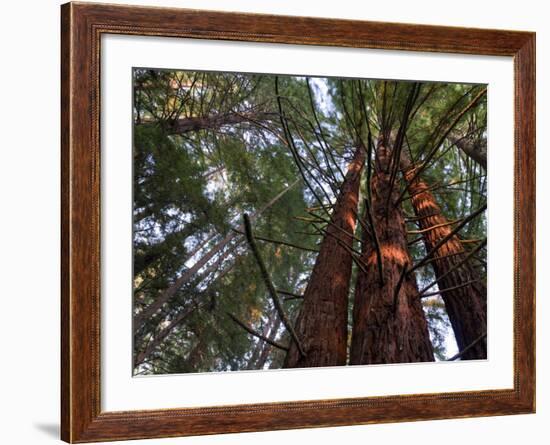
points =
(466, 305)
(322, 323)
(389, 325)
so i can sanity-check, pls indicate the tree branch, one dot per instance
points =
(256, 334)
(282, 243)
(291, 295)
(432, 153)
(436, 226)
(456, 266)
(269, 284)
(453, 232)
(442, 291)
(467, 348)
(159, 338)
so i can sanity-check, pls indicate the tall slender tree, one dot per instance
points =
(459, 284)
(323, 319)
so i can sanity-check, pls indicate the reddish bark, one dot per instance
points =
(466, 305)
(388, 327)
(322, 322)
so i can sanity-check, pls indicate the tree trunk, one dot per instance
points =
(466, 305)
(389, 325)
(322, 323)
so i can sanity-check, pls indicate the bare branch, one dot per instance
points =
(467, 348)
(456, 266)
(256, 333)
(432, 153)
(269, 284)
(443, 240)
(429, 229)
(290, 294)
(282, 243)
(442, 291)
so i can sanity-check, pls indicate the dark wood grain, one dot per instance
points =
(82, 26)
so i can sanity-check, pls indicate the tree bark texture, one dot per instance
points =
(322, 322)
(389, 325)
(466, 305)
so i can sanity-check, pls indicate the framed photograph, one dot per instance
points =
(274, 222)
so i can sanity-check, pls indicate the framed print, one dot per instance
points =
(275, 222)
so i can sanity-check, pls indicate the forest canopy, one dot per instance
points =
(293, 221)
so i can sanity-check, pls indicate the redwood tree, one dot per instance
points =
(459, 284)
(322, 322)
(389, 325)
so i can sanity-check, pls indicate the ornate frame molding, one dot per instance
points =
(82, 25)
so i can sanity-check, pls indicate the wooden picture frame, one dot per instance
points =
(82, 26)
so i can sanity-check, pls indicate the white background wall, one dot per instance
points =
(29, 226)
